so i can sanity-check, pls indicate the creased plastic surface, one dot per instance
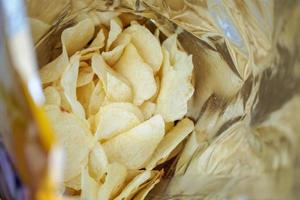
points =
(247, 73)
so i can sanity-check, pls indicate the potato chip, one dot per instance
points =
(134, 147)
(131, 173)
(132, 187)
(53, 70)
(84, 94)
(147, 45)
(85, 76)
(99, 40)
(148, 109)
(187, 153)
(122, 39)
(111, 57)
(176, 88)
(76, 37)
(177, 134)
(74, 183)
(116, 87)
(64, 104)
(97, 162)
(115, 30)
(75, 137)
(138, 73)
(69, 82)
(52, 96)
(121, 116)
(96, 99)
(89, 187)
(149, 186)
(116, 175)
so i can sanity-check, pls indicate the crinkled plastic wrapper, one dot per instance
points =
(246, 100)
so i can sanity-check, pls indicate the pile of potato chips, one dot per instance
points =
(116, 98)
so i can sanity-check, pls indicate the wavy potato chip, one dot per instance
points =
(134, 147)
(176, 135)
(85, 76)
(176, 88)
(138, 73)
(97, 162)
(133, 186)
(97, 98)
(147, 45)
(116, 118)
(52, 96)
(148, 109)
(89, 187)
(115, 30)
(116, 87)
(111, 57)
(69, 83)
(114, 181)
(75, 137)
(84, 94)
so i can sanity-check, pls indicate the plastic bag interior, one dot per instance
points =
(246, 100)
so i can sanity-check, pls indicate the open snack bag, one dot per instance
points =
(158, 99)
